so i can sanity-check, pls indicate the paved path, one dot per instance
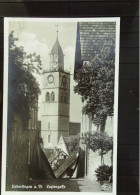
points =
(86, 185)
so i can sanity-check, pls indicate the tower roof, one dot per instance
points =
(56, 56)
(57, 48)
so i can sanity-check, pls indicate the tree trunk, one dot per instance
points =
(102, 126)
(102, 159)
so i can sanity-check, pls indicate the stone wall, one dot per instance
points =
(23, 153)
(17, 154)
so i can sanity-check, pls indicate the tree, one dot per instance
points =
(100, 142)
(95, 83)
(23, 89)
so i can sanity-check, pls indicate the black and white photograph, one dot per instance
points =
(60, 105)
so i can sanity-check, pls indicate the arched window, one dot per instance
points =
(49, 138)
(52, 97)
(47, 97)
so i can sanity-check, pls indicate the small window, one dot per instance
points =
(86, 63)
(49, 138)
(52, 97)
(47, 97)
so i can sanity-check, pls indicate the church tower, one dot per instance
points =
(56, 99)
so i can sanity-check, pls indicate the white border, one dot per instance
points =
(5, 99)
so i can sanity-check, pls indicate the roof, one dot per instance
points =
(68, 144)
(66, 164)
(63, 145)
(48, 152)
(56, 49)
(53, 157)
(46, 166)
(91, 36)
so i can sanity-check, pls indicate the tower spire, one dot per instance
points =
(57, 56)
(57, 31)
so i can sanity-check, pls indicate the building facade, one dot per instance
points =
(91, 37)
(56, 98)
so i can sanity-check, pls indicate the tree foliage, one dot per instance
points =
(99, 141)
(73, 146)
(103, 173)
(95, 83)
(23, 89)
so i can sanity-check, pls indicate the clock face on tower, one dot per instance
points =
(50, 79)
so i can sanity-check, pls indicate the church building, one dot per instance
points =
(56, 98)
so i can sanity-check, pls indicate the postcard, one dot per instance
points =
(60, 106)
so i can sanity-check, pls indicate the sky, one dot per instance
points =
(39, 37)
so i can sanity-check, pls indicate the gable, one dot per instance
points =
(61, 144)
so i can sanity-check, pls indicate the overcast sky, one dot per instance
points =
(40, 37)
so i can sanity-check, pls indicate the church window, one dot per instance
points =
(49, 138)
(52, 97)
(47, 97)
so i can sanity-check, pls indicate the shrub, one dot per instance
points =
(104, 173)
